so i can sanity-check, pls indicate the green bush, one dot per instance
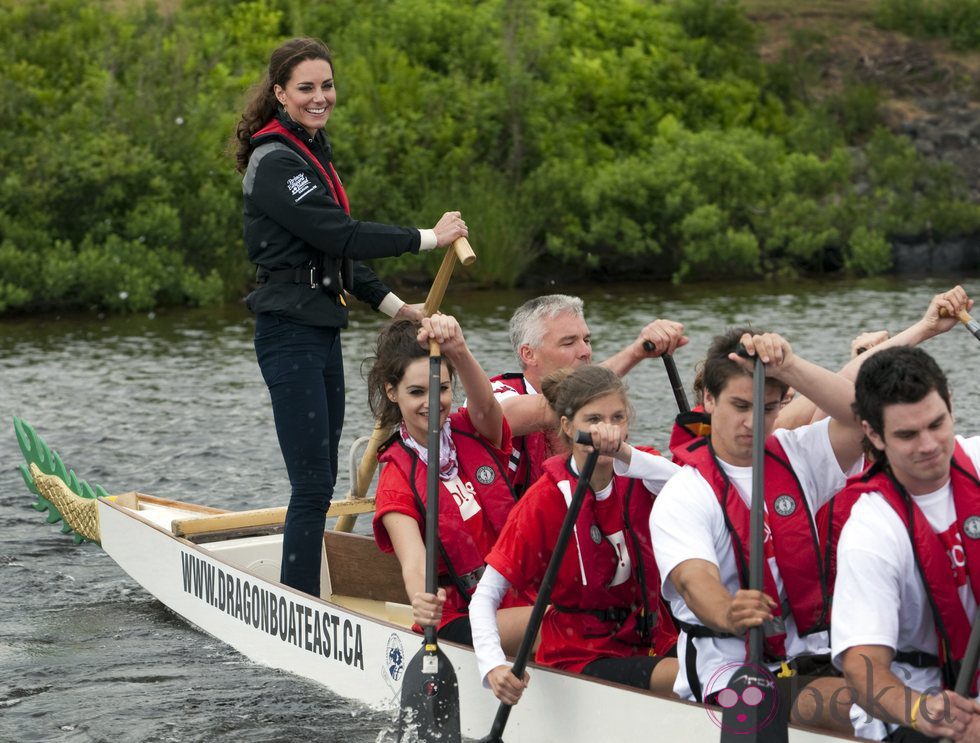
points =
(616, 138)
(956, 20)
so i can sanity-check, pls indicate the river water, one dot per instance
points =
(173, 404)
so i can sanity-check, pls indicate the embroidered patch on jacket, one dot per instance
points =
(300, 186)
(785, 505)
(971, 527)
(595, 533)
(485, 475)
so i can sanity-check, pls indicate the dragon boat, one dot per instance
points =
(219, 570)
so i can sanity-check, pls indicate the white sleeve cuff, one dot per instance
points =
(483, 622)
(428, 240)
(653, 470)
(391, 304)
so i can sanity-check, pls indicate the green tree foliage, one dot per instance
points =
(612, 137)
(956, 20)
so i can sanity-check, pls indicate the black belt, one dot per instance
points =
(700, 631)
(309, 275)
(467, 581)
(617, 614)
(917, 659)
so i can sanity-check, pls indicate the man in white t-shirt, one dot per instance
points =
(699, 526)
(550, 333)
(909, 556)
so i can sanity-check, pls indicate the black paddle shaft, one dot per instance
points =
(765, 721)
(432, 481)
(757, 518)
(547, 583)
(675, 379)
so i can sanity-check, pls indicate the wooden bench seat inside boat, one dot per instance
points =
(259, 521)
(359, 569)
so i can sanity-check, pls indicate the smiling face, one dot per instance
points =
(411, 395)
(565, 343)
(309, 96)
(918, 440)
(731, 418)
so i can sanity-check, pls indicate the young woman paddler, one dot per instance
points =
(606, 618)
(476, 495)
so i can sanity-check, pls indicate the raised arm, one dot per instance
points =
(485, 412)
(665, 336)
(828, 391)
(940, 316)
(528, 413)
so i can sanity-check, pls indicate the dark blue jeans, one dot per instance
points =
(303, 367)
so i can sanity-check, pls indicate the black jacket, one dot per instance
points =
(291, 220)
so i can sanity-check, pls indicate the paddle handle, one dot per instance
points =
(757, 516)
(547, 582)
(464, 251)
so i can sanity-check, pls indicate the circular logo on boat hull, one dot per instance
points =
(971, 527)
(785, 505)
(394, 658)
(595, 533)
(485, 475)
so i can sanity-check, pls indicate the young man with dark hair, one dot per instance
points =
(700, 527)
(909, 555)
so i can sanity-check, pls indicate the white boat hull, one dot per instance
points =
(363, 658)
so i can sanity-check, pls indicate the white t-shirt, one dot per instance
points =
(687, 523)
(879, 598)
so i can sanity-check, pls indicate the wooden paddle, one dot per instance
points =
(675, 379)
(547, 582)
(462, 250)
(430, 691)
(972, 325)
(751, 719)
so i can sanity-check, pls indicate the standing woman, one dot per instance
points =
(299, 233)
(606, 617)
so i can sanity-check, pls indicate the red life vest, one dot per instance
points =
(531, 449)
(275, 127)
(329, 175)
(795, 541)
(831, 519)
(462, 554)
(952, 624)
(598, 608)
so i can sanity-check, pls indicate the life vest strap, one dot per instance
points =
(467, 581)
(617, 614)
(917, 659)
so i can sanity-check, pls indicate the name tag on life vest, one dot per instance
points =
(464, 495)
